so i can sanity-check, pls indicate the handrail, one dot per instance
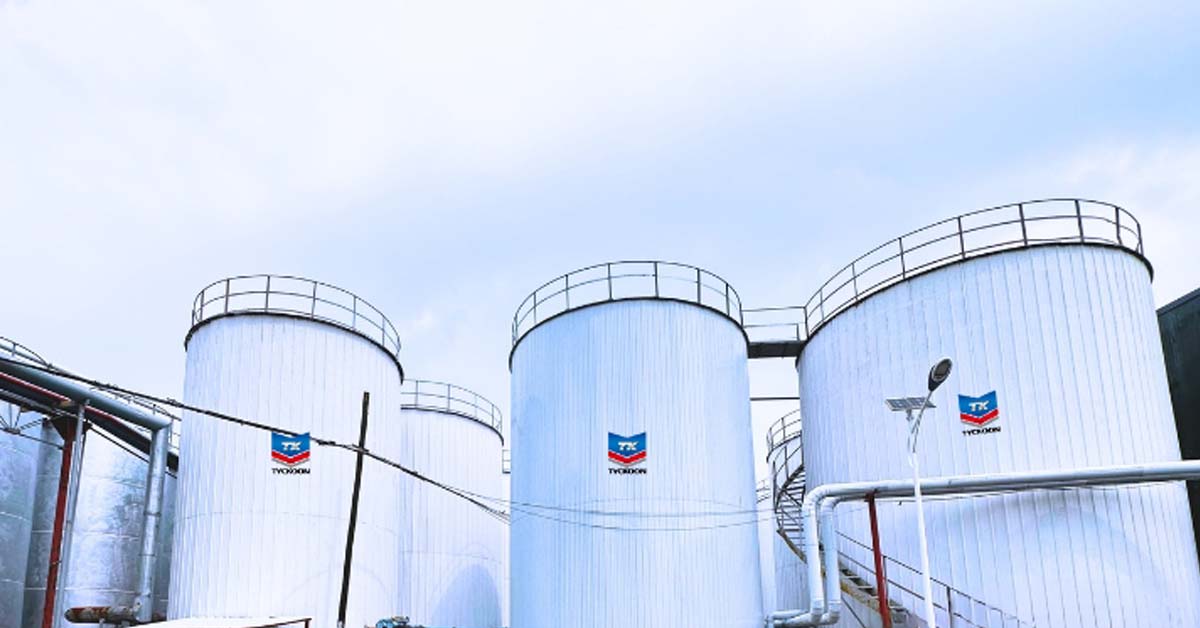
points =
(973, 234)
(21, 352)
(625, 280)
(946, 604)
(782, 430)
(419, 394)
(297, 297)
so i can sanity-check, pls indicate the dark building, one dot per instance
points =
(1179, 323)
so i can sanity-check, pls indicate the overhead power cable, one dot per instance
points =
(469, 496)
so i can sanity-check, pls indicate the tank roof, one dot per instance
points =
(626, 280)
(295, 297)
(419, 394)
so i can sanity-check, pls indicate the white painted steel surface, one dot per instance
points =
(18, 477)
(456, 552)
(677, 372)
(1067, 337)
(249, 542)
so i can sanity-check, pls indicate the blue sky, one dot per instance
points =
(442, 159)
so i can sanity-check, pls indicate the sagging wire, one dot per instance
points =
(525, 508)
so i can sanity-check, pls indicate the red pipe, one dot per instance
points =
(60, 511)
(885, 611)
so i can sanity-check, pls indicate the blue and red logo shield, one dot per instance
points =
(290, 450)
(978, 410)
(626, 450)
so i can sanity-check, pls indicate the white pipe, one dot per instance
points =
(926, 577)
(823, 612)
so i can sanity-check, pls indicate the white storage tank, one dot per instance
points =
(259, 537)
(456, 556)
(1047, 312)
(632, 462)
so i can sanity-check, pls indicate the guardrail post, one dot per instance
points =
(1024, 233)
(656, 280)
(313, 311)
(699, 296)
(854, 279)
(448, 393)
(567, 292)
(1079, 218)
(609, 280)
(354, 312)
(267, 299)
(226, 298)
(1140, 247)
(903, 271)
(727, 299)
(962, 243)
(1117, 213)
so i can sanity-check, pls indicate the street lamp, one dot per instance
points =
(937, 375)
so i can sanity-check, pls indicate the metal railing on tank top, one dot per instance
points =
(1055, 221)
(622, 281)
(297, 297)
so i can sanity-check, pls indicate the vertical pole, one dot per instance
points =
(656, 279)
(56, 536)
(267, 296)
(156, 473)
(699, 296)
(903, 270)
(610, 281)
(1079, 218)
(926, 579)
(885, 611)
(1117, 213)
(358, 465)
(64, 519)
(226, 296)
(1024, 231)
(962, 243)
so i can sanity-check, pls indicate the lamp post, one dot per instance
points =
(937, 375)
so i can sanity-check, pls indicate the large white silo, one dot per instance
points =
(1047, 312)
(254, 537)
(646, 361)
(456, 554)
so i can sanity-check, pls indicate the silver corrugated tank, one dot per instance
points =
(18, 477)
(456, 553)
(296, 354)
(627, 349)
(1048, 305)
(106, 542)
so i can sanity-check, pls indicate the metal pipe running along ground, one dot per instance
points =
(59, 390)
(825, 604)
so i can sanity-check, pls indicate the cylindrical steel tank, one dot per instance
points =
(1047, 312)
(106, 543)
(632, 463)
(456, 552)
(49, 459)
(18, 477)
(257, 537)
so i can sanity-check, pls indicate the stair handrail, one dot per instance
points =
(946, 605)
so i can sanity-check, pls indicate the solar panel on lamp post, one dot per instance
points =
(937, 375)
